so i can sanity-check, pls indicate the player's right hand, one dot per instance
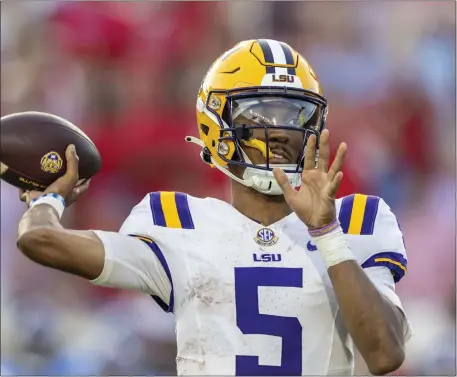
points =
(65, 186)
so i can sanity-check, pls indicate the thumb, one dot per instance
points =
(72, 164)
(283, 182)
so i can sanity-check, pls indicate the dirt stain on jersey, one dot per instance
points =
(209, 290)
(187, 360)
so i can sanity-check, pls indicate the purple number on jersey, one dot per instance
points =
(250, 321)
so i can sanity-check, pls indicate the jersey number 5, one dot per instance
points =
(250, 321)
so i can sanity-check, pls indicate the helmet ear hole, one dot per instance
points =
(206, 156)
(204, 128)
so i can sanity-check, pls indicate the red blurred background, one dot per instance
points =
(128, 73)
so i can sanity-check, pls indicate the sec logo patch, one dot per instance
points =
(265, 237)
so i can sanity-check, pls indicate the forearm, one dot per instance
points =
(373, 322)
(44, 240)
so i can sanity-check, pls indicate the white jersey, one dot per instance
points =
(249, 299)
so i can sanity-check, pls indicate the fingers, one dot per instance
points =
(324, 151)
(82, 188)
(64, 185)
(77, 191)
(27, 196)
(72, 164)
(283, 182)
(335, 184)
(22, 195)
(337, 162)
(310, 153)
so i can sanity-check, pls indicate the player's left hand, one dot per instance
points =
(314, 202)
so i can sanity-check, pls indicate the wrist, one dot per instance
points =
(56, 201)
(322, 230)
(333, 246)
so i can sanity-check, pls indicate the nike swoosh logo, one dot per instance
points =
(311, 247)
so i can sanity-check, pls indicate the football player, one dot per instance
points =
(282, 281)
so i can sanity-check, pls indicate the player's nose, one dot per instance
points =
(278, 136)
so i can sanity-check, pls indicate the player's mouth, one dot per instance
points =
(280, 156)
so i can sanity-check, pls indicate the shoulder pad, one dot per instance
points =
(358, 214)
(159, 209)
(171, 210)
(367, 215)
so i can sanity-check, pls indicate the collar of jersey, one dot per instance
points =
(292, 217)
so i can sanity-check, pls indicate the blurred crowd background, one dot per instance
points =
(127, 73)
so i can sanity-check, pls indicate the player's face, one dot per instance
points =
(285, 144)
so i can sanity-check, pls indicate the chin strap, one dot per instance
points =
(192, 139)
(260, 180)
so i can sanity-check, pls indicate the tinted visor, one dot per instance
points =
(276, 112)
(274, 119)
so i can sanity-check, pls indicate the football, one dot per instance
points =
(32, 150)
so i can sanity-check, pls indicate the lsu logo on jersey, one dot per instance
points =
(266, 257)
(266, 237)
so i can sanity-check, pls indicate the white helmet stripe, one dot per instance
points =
(278, 56)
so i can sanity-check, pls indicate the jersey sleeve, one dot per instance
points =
(377, 242)
(135, 263)
(133, 257)
(375, 236)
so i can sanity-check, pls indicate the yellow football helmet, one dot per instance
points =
(258, 84)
